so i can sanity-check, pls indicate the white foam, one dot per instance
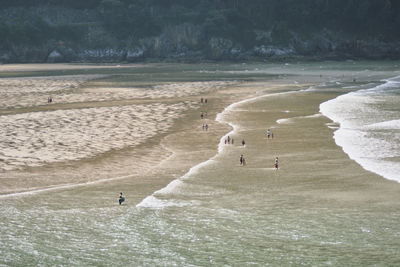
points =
(370, 153)
(290, 120)
(332, 127)
(284, 121)
(156, 203)
(360, 144)
(171, 187)
(316, 115)
(385, 125)
(365, 133)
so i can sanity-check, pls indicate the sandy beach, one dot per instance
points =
(188, 198)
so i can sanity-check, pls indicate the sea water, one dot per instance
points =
(370, 126)
(218, 215)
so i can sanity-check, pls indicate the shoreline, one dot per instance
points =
(278, 86)
(346, 125)
(367, 177)
(151, 201)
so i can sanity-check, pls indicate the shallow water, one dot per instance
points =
(319, 209)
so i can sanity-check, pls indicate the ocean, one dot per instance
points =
(369, 130)
(334, 201)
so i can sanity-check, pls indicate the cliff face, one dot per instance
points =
(102, 34)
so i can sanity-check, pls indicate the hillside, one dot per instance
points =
(135, 30)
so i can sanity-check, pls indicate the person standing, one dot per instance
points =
(121, 198)
(276, 163)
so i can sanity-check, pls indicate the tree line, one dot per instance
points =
(234, 19)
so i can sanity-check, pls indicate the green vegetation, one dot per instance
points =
(118, 23)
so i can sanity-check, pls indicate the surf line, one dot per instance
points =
(148, 201)
(61, 187)
(343, 133)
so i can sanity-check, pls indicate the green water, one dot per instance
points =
(316, 210)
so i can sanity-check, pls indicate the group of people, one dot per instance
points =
(229, 140)
(271, 135)
(49, 99)
(203, 114)
(241, 159)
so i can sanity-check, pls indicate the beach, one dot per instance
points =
(189, 201)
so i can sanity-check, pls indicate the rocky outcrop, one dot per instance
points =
(102, 55)
(55, 57)
(135, 54)
(272, 51)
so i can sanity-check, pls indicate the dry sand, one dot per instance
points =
(93, 130)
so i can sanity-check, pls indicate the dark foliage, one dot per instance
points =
(233, 19)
